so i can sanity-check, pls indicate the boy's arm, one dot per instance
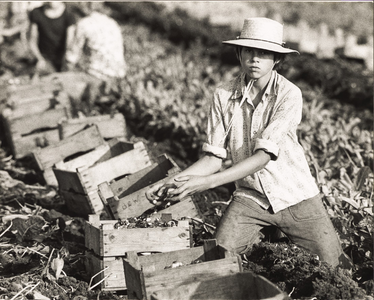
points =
(193, 184)
(207, 165)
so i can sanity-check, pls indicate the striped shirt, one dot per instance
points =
(271, 126)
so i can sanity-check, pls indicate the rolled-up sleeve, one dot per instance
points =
(216, 140)
(284, 121)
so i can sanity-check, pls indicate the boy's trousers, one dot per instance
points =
(306, 224)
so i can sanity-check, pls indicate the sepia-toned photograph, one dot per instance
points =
(186, 150)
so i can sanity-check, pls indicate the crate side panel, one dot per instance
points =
(85, 160)
(82, 141)
(126, 163)
(68, 181)
(158, 261)
(174, 277)
(78, 204)
(159, 239)
(109, 127)
(23, 146)
(132, 205)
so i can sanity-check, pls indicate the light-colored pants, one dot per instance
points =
(306, 224)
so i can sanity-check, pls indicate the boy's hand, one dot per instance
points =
(160, 192)
(189, 185)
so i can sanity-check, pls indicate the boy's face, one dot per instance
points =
(256, 63)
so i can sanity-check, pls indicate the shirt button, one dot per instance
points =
(254, 132)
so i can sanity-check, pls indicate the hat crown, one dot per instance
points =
(262, 29)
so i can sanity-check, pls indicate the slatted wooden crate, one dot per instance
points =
(126, 198)
(32, 98)
(28, 132)
(79, 184)
(108, 246)
(110, 126)
(238, 286)
(79, 143)
(146, 275)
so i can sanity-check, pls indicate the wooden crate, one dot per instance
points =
(78, 143)
(105, 240)
(126, 198)
(81, 183)
(28, 132)
(238, 286)
(146, 275)
(110, 126)
(108, 246)
(32, 98)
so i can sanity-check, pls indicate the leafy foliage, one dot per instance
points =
(301, 274)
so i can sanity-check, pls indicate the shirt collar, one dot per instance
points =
(271, 89)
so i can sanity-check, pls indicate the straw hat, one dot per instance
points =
(262, 33)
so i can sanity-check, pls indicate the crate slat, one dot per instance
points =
(110, 126)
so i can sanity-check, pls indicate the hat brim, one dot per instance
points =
(260, 45)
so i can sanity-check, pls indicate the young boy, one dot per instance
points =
(255, 117)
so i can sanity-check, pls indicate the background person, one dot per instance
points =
(97, 46)
(50, 27)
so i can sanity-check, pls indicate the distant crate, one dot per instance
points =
(238, 286)
(78, 179)
(30, 131)
(146, 275)
(76, 144)
(110, 126)
(32, 98)
(107, 246)
(126, 197)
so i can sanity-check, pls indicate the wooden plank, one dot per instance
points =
(134, 278)
(239, 286)
(69, 181)
(183, 209)
(22, 146)
(83, 204)
(22, 93)
(109, 270)
(120, 165)
(87, 159)
(41, 104)
(27, 124)
(50, 178)
(116, 242)
(117, 147)
(82, 141)
(110, 126)
(78, 204)
(150, 263)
